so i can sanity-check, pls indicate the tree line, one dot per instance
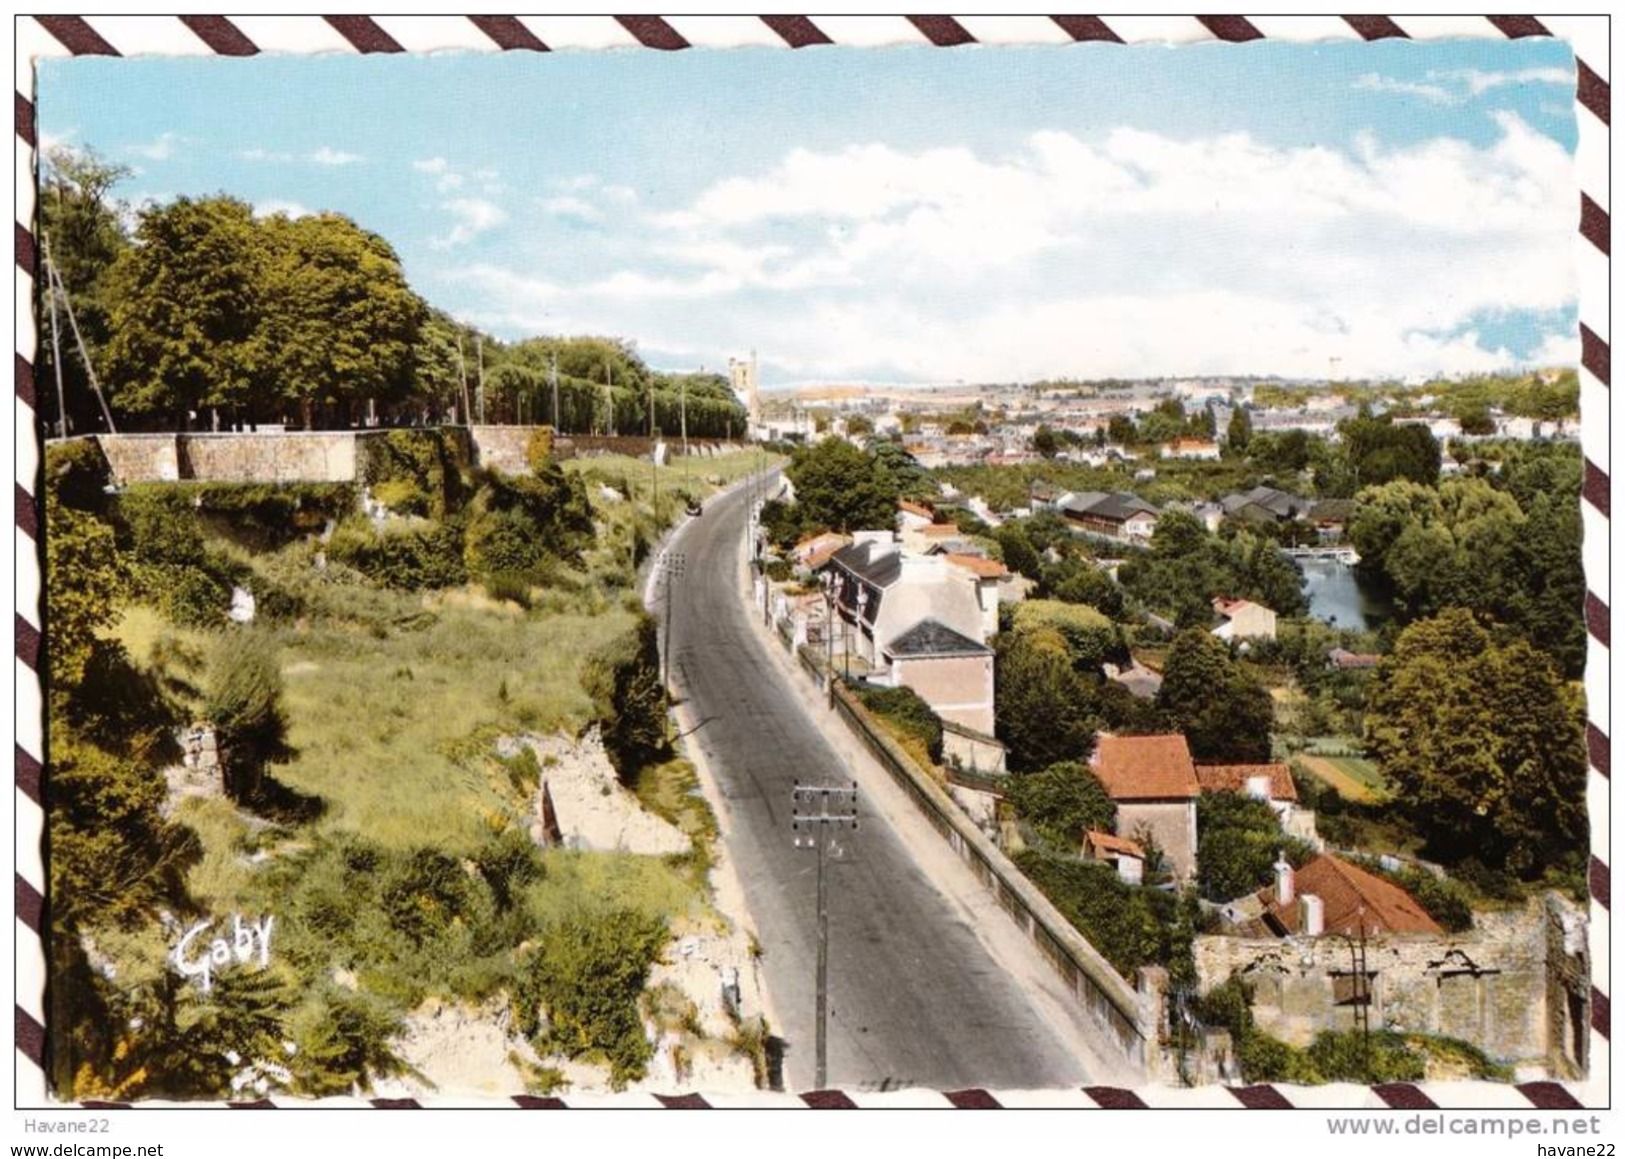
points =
(200, 313)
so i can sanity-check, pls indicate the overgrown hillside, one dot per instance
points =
(362, 805)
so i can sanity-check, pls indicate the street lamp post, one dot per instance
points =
(817, 816)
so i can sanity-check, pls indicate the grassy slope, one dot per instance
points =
(393, 701)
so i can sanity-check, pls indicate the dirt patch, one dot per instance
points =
(590, 806)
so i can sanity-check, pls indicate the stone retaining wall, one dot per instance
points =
(1516, 986)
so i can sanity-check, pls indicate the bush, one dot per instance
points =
(402, 496)
(157, 524)
(77, 474)
(432, 461)
(1061, 802)
(1091, 638)
(410, 559)
(188, 596)
(629, 701)
(1129, 925)
(586, 978)
(539, 449)
(509, 585)
(269, 515)
(908, 711)
(1239, 840)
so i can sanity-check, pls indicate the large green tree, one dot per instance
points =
(1483, 744)
(186, 323)
(1225, 712)
(341, 321)
(1042, 704)
(842, 488)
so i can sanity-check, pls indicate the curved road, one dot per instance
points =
(916, 999)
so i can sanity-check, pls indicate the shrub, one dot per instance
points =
(268, 515)
(908, 711)
(77, 474)
(778, 570)
(539, 449)
(433, 461)
(411, 559)
(402, 496)
(158, 524)
(586, 977)
(1239, 841)
(629, 701)
(1347, 1056)
(1091, 638)
(244, 703)
(509, 585)
(1061, 802)
(188, 596)
(1129, 925)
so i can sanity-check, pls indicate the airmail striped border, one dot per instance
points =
(59, 36)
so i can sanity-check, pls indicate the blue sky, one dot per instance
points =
(985, 214)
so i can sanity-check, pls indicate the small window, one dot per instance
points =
(1350, 989)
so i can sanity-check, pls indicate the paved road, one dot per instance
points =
(916, 999)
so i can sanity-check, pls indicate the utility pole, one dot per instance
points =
(609, 395)
(682, 411)
(828, 811)
(462, 375)
(479, 362)
(672, 565)
(54, 277)
(56, 343)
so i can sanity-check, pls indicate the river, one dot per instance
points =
(1337, 596)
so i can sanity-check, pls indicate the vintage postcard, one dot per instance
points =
(930, 562)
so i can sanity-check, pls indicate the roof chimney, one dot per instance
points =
(1283, 879)
(1313, 922)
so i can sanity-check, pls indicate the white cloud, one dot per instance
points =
(160, 150)
(276, 205)
(1376, 83)
(1127, 254)
(1455, 86)
(327, 155)
(471, 216)
(432, 165)
(570, 207)
(1482, 82)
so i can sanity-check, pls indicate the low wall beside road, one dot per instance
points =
(1133, 1021)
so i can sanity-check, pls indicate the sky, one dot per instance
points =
(914, 215)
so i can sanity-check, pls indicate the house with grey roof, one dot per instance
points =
(920, 621)
(1116, 515)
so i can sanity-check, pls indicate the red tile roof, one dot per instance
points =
(914, 508)
(1352, 899)
(1110, 843)
(1139, 768)
(941, 530)
(978, 566)
(1233, 779)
